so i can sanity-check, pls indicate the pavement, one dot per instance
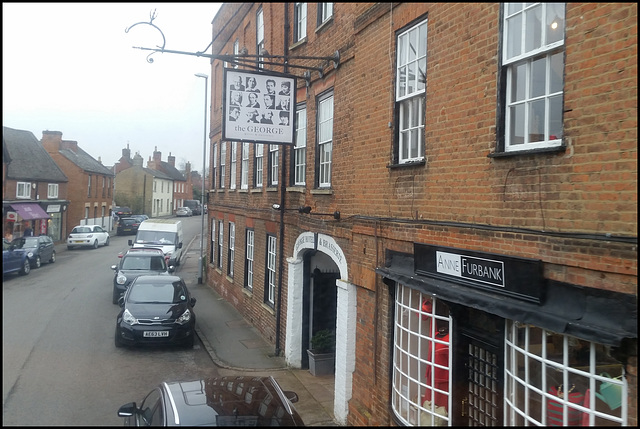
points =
(236, 347)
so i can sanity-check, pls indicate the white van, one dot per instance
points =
(165, 234)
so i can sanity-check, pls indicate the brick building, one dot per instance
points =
(459, 206)
(90, 187)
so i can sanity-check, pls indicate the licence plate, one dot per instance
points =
(79, 241)
(155, 334)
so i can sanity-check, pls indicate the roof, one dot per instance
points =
(85, 161)
(172, 172)
(28, 159)
(158, 174)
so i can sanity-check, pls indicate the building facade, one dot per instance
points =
(458, 207)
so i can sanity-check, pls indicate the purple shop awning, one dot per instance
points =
(30, 211)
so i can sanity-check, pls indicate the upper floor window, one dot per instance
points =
(533, 68)
(244, 167)
(270, 287)
(52, 190)
(248, 278)
(299, 22)
(259, 165)
(236, 51)
(23, 190)
(213, 241)
(234, 165)
(223, 157)
(220, 242)
(411, 77)
(273, 164)
(325, 12)
(325, 140)
(259, 35)
(89, 187)
(300, 148)
(232, 248)
(215, 165)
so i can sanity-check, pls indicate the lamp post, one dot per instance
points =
(204, 161)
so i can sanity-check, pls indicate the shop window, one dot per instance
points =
(559, 380)
(421, 359)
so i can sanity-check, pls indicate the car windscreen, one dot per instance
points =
(25, 242)
(159, 293)
(81, 230)
(153, 263)
(156, 237)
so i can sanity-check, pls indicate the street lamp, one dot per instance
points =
(204, 161)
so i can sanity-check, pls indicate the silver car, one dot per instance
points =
(87, 236)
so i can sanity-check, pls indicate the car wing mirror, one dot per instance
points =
(127, 410)
(172, 268)
(113, 267)
(180, 245)
(193, 302)
(130, 242)
(121, 301)
(291, 396)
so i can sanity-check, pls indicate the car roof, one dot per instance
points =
(154, 279)
(143, 250)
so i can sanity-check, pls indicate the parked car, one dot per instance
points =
(134, 263)
(183, 211)
(38, 249)
(122, 211)
(87, 236)
(216, 401)
(140, 217)
(127, 226)
(194, 205)
(14, 260)
(156, 310)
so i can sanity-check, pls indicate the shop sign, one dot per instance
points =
(12, 217)
(53, 208)
(517, 277)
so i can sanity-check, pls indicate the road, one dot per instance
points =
(60, 364)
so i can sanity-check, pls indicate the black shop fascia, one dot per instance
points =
(514, 288)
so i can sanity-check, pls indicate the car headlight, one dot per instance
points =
(121, 279)
(186, 316)
(128, 318)
(30, 254)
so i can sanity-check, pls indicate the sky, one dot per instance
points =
(71, 67)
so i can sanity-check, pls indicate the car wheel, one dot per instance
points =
(117, 340)
(53, 257)
(26, 268)
(95, 244)
(70, 247)
(38, 262)
(188, 344)
(106, 243)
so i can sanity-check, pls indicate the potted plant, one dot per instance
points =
(322, 353)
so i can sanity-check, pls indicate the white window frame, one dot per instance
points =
(223, 158)
(52, 190)
(259, 169)
(215, 165)
(274, 151)
(23, 190)
(271, 269)
(411, 67)
(250, 259)
(236, 51)
(260, 35)
(533, 56)
(213, 239)
(300, 148)
(300, 22)
(325, 12)
(325, 139)
(232, 248)
(244, 167)
(234, 165)
(220, 243)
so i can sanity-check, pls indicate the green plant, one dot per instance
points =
(323, 341)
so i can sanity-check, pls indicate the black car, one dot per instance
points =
(122, 211)
(128, 226)
(137, 262)
(39, 249)
(220, 401)
(156, 310)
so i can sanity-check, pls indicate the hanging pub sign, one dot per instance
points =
(520, 278)
(258, 107)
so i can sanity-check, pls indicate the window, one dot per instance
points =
(270, 289)
(52, 190)
(244, 167)
(89, 187)
(220, 241)
(223, 157)
(420, 393)
(273, 164)
(299, 21)
(557, 380)
(248, 278)
(411, 76)
(300, 148)
(325, 140)
(23, 190)
(232, 248)
(259, 36)
(215, 165)
(533, 69)
(234, 165)
(259, 165)
(325, 12)
(213, 241)
(236, 52)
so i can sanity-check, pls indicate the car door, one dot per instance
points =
(46, 248)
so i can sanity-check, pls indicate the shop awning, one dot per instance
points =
(30, 211)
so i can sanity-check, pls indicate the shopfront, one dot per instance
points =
(485, 339)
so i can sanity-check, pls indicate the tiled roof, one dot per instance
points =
(85, 161)
(29, 159)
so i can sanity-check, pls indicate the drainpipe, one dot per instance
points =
(283, 189)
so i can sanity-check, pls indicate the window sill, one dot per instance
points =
(322, 191)
(248, 292)
(556, 149)
(325, 24)
(256, 190)
(243, 191)
(272, 189)
(419, 163)
(268, 308)
(297, 44)
(299, 189)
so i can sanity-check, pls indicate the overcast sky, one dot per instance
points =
(71, 68)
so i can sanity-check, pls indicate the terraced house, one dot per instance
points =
(456, 206)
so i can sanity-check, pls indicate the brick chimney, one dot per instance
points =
(171, 160)
(157, 155)
(51, 141)
(126, 153)
(137, 160)
(69, 144)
